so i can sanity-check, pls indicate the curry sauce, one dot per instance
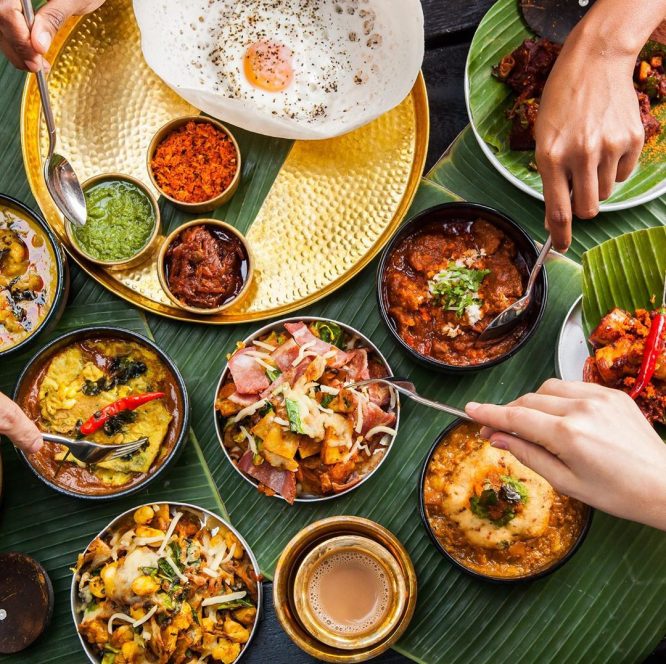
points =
(536, 528)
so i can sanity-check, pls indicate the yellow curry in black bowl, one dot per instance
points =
(33, 276)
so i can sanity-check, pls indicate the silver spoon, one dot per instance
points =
(409, 390)
(511, 316)
(61, 180)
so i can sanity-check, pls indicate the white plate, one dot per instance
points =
(650, 195)
(572, 349)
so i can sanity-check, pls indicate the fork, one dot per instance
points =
(88, 452)
(409, 390)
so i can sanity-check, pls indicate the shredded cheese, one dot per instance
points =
(250, 439)
(118, 616)
(280, 421)
(380, 429)
(250, 410)
(169, 532)
(215, 562)
(175, 569)
(145, 618)
(256, 356)
(327, 389)
(394, 398)
(210, 572)
(230, 555)
(264, 345)
(328, 411)
(302, 351)
(359, 416)
(223, 599)
(141, 541)
(331, 354)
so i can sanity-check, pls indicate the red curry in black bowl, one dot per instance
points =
(447, 274)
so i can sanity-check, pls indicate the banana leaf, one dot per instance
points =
(465, 170)
(626, 272)
(500, 32)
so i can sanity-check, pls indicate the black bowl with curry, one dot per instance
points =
(490, 515)
(109, 386)
(444, 277)
(34, 279)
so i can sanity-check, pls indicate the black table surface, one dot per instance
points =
(449, 27)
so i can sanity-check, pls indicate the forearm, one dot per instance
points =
(618, 28)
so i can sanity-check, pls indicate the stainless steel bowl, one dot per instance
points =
(277, 325)
(76, 605)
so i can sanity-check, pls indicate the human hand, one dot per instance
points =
(588, 131)
(23, 47)
(18, 427)
(590, 442)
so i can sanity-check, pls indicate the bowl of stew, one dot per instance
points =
(109, 386)
(34, 279)
(490, 515)
(205, 266)
(444, 277)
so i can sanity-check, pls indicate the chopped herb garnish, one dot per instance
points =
(456, 287)
(328, 332)
(294, 415)
(115, 423)
(326, 400)
(501, 505)
(273, 374)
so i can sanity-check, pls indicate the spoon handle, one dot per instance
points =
(536, 270)
(41, 83)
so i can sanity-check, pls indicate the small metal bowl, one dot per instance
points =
(204, 514)
(38, 362)
(284, 587)
(62, 277)
(478, 575)
(161, 268)
(527, 249)
(277, 325)
(203, 206)
(146, 251)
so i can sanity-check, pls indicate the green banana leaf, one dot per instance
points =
(588, 611)
(626, 272)
(465, 170)
(502, 30)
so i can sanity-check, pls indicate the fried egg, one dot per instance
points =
(301, 69)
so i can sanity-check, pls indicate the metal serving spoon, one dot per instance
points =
(61, 180)
(511, 316)
(409, 390)
(88, 452)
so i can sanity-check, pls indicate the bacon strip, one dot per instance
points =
(249, 376)
(281, 481)
(285, 354)
(374, 416)
(302, 336)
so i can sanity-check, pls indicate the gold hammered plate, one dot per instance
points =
(332, 207)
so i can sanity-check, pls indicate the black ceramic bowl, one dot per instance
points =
(528, 254)
(477, 575)
(62, 277)
(37, 363)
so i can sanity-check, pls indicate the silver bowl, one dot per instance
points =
(74, 599)
(308, 319)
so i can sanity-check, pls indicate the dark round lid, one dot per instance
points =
(554, 19)
(26, 601)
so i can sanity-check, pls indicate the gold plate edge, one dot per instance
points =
(419, 97)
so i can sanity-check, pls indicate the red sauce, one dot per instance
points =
(421, 319)
(206, 267)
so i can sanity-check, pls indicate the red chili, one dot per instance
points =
(126, 403)
(653, 347)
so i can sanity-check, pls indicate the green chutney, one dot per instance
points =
(120, 221)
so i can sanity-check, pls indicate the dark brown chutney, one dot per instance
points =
(206, 267)
(446, 282)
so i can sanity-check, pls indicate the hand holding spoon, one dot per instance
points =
(61, 180)
(512, 315)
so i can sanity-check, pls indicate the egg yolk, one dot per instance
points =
(268, 66)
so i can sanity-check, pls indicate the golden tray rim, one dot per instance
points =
(419, 96)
